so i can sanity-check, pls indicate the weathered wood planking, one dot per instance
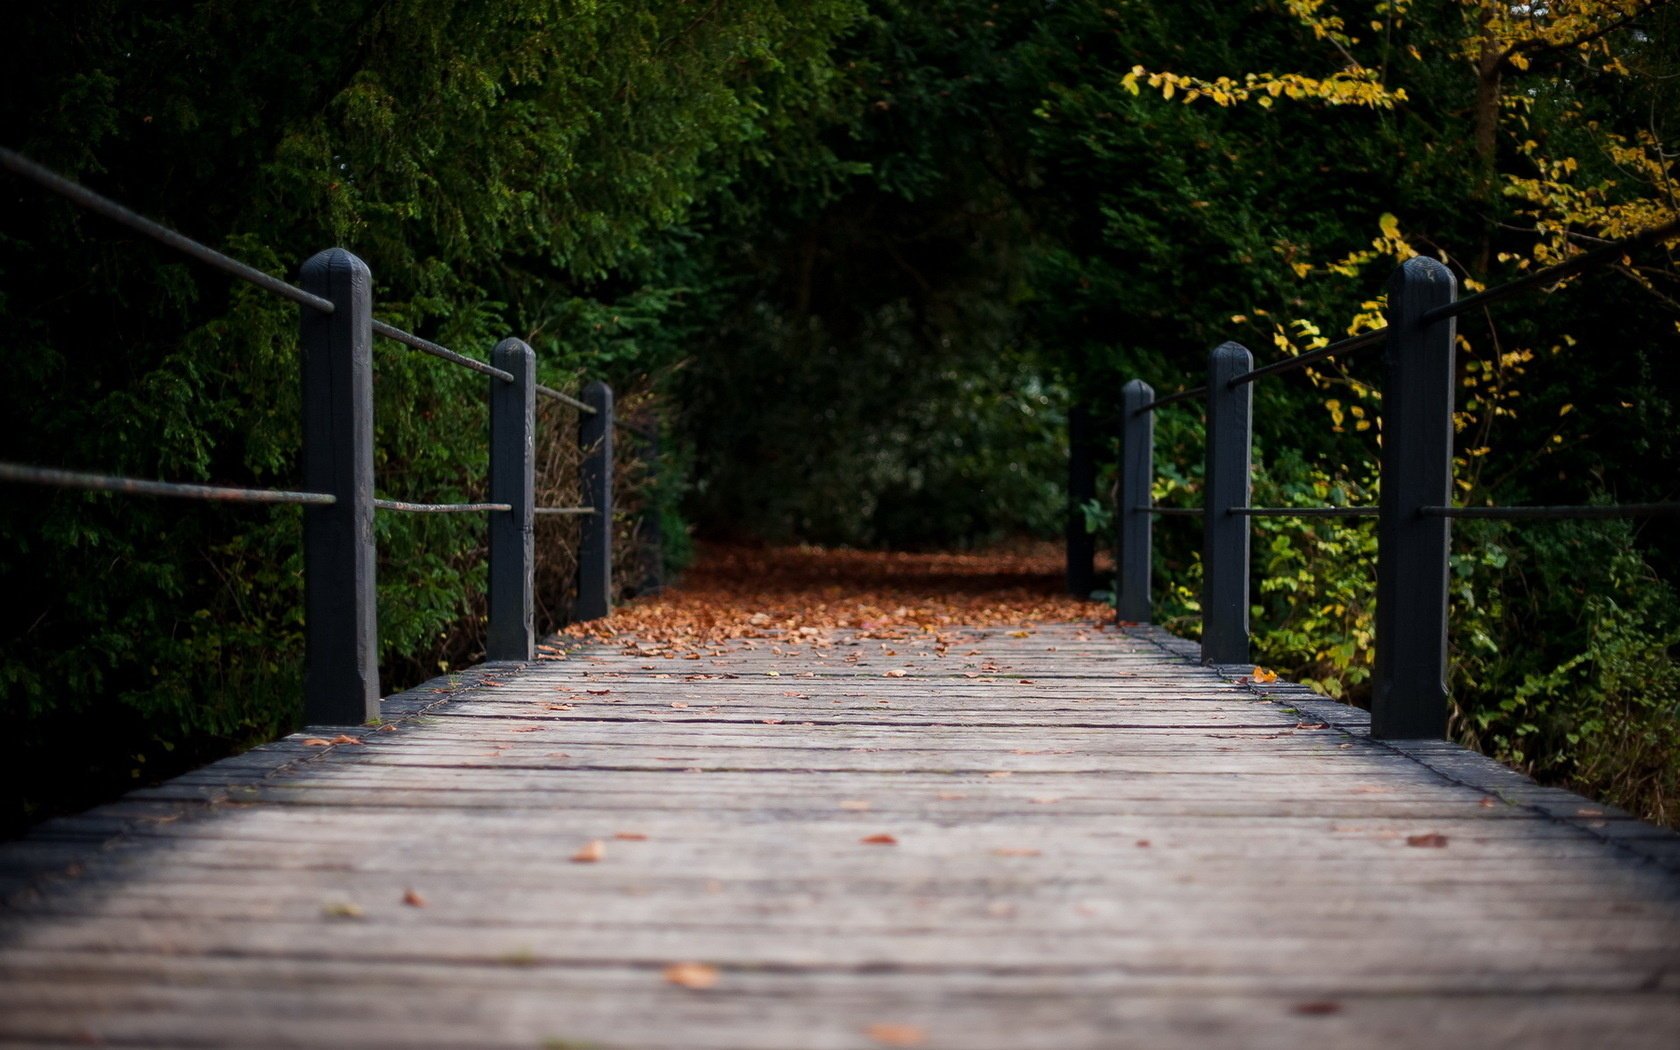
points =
(1097, 844)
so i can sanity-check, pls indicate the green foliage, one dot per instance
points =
(503, 168)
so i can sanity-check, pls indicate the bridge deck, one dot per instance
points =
(1094, 843)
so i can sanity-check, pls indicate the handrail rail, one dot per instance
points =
(1552, 274)
(48, 179)
(76, 479)
(1414, 511)
(337, 327)
(426, 346)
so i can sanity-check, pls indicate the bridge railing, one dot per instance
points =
(1414, 511)
(336, 331)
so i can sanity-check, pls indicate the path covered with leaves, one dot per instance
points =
(796, 598)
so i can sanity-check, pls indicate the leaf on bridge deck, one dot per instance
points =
(699, 976)
(592, 851)
(878, 840)
(1429, 841)
(896, 1034)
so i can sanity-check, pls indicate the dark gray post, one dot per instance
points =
(1133, 520)
(1081, 489)
(595, 436)
(513, 417)
(653, 525)
(341, 643)
(1409, 698)
(1226, 486)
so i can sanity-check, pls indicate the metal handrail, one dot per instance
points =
(1353, 343)
(74, 479)
(339, 548)
(1416, 473)
(1579, 511)
(47, 179)
(426, 346)
(438, 508)
(565, 399)
(1552, 274)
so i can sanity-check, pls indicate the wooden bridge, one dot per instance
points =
(1055, 835)
(1035, 834)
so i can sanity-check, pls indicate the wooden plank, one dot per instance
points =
(1092, 836)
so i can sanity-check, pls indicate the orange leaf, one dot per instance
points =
(857, 805)
(694, 975)
(1264, 676)
(896, 1034)
(895, 673)
(1429, 841)
(315, 741)
(412, 898)
(878, 840)
(592, 851)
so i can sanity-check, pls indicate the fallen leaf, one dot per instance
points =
(315, 741)
(996, 773)
(1487, 803)
(413, 899)
(698, 976)
(592, 851)
(679, 704)
(629, 836)
(1429, 841)
(896, 1034)
(857, 805)
(894, 673)
(1263, 676)
(1016, 851)
(388, 727)
(342, 910)
(1044, 800)
(558, 707)
(878, 840)
(1141, 843)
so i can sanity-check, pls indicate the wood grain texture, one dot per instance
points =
(1095, 842)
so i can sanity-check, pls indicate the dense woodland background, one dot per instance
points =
(857, 258)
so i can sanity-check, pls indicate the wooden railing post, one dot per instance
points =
(1133, 521)
(341, 642)
(1081, 489)
(1409, 696)
(513, 420)
(1225, 535)
(595, 436)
